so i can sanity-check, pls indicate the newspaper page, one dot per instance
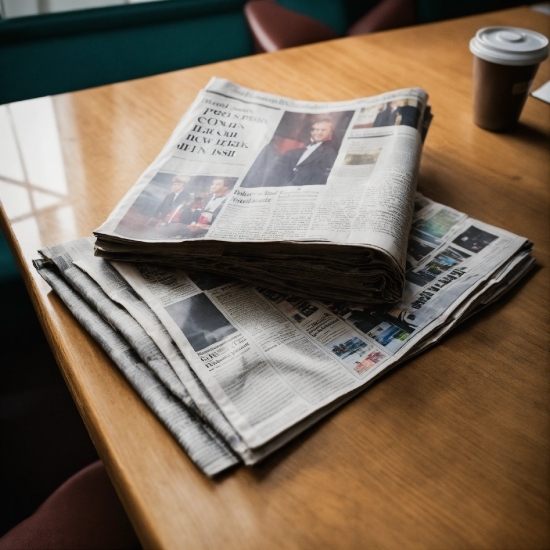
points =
(140, 327)
(249, 167)
(121, 293)
(270, 360)
(80, 253)
(202, 445)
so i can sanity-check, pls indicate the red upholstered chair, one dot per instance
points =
(275, 27)
(84, 513)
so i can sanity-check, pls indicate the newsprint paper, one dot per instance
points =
(234, 371)
(259, 186)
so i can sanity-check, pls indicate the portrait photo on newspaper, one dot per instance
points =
(176, 206)
(302, 151)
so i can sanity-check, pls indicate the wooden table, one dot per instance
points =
(451, 450)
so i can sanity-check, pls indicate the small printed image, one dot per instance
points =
(272, 295)
(302, 151)
(303, 306)
(208, 281)
(437, 226)
(202, 323)
(365, 318)
(176, 206)
(338, 308)
(418, 250)
(368, 362)
(474, 239)
(401, 112)
(349, 347)
(389, 335)
(369, 157)
(449, 258)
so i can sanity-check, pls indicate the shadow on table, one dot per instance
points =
(528, 134)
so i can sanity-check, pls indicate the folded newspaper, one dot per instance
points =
(283, 193)
(234, 371)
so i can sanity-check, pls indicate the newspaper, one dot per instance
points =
(207, 450)
(258, 366)
(268, 188)
(106, 292)
(270, 359)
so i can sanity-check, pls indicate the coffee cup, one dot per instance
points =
(506, 60)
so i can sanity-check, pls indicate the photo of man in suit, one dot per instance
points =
(202, 219)
(387, 116)
(409, 113)
(173, 202)
(401, 112)
(220, 188)
(308, 165)
(302, 150)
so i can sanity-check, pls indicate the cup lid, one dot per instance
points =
(509, 46)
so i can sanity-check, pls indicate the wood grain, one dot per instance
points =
(451, 450)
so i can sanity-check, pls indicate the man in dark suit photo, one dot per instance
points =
(204, 218)
(387, 116)
(220, 188)
(409, 114)
(173, 200)
(309, 165)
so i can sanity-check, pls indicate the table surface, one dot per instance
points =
(450, 450)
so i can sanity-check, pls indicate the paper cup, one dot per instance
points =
(506, 60)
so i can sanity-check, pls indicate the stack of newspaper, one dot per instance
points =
(235, 370)
(267, 188)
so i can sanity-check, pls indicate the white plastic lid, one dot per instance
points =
(509, 46)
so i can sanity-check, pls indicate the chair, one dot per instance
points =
(281, 24)
(84, 513)
(275, 27)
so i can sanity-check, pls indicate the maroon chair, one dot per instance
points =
(274, 27)
(84, 513)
